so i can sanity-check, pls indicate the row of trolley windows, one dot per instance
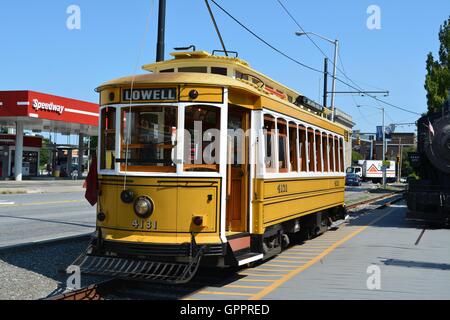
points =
(300, 149)
(214, 70)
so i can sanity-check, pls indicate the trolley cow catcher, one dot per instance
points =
(177, 189)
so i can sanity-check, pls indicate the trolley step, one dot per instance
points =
(249, 258)
(141, 270)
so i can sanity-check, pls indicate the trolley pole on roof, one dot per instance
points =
(161, 31)
(216, 27)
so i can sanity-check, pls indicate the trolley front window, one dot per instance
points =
(108, 139)
(202, 139)
(149, 138)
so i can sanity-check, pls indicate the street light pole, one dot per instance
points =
(333, 95)
(336, 55)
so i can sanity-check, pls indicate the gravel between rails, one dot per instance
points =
(34, 273)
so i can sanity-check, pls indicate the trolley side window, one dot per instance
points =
(336, 153)
(325, 152)
(302, 141)
(194, 69)
(269, 138)
(282, 146)
(108, 139)
(218, 70)
(202, 139)
(311, 148)
(318, 151)
(331, 153)
(149, 138)
(293, 144)
(341, 154)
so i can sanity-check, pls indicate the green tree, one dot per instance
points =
(356, 156)
(407, 169)
(437, 82)
(45, 153)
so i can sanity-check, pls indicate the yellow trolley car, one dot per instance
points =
(207, 161)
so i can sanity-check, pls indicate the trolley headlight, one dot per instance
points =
(143, 207)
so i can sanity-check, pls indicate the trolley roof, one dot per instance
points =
(254, 82)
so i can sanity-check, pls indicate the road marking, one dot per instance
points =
(298, 249)
(43, 203)
(7, 203)
(248, 274)
(269, 269)
(290, 261)
(299, 253)
(299, 270)
(254, 280)
(279, 266)
(218, 293)
(235, 286)
(297, 257)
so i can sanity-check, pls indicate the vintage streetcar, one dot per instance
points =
(205, 161)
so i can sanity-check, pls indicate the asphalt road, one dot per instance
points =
(39, 217)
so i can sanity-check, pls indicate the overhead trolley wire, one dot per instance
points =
(356, 86)
(300, 63)
(264, 41)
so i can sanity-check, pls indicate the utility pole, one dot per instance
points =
(400, 148)
(371, 149)
(384, 169)
(325, 82)
(384, 148)
(161, 31)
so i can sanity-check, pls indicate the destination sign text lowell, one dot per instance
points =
(149, 94)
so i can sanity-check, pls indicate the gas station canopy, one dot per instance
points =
(48, 113)
(39, 112)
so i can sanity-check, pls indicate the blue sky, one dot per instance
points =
(39, 53)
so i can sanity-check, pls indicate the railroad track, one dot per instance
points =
(373, 200)
(121, 289)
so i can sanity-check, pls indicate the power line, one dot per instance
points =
(358, 88)
(264, 41)
(316, 45)
(302, 64)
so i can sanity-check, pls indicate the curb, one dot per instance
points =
(70, 189)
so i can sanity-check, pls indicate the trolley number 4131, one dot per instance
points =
(145, 225)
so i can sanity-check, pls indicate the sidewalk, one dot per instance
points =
(41, 186)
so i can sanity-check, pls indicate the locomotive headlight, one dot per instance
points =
(143, 207)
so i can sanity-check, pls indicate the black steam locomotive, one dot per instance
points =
(429, 198)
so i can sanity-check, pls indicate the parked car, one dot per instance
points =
(353, 179)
